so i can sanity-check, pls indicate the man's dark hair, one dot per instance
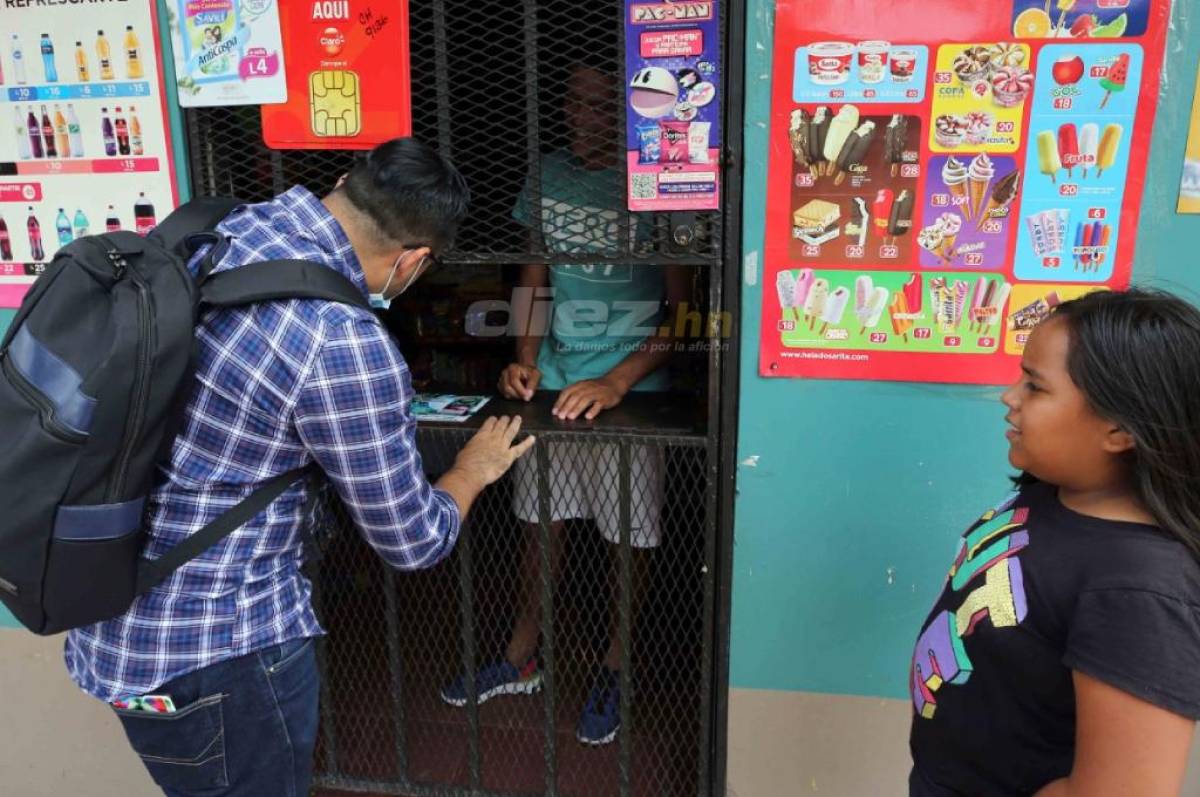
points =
(412, 194)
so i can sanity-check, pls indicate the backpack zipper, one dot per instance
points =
(52, 425)
(137, 406)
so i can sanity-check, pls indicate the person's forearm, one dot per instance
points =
(462, 487)
(653, 353)
(529, 341)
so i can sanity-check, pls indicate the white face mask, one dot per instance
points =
(381, 301)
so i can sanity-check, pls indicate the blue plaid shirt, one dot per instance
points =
(279, 385)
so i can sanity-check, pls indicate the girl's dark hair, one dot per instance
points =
(1135, 355)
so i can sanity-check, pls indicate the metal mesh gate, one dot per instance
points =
(495, 87)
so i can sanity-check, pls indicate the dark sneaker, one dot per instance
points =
(601, 718)
(498, 678)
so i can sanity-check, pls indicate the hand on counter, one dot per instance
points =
(589, 397)
(519, 381)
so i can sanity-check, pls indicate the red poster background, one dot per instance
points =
(932, 23)
(374, 44)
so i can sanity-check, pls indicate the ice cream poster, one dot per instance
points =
(1189, 188)
(348, 75)
(673, 107)
(85, 146)
(942, 177)
(227, 52)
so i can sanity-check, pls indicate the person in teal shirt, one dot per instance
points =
(601, 341)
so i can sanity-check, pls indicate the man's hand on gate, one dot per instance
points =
(490, 453)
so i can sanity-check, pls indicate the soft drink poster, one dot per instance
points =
(83, 133)
(942, 175)
(348, 80)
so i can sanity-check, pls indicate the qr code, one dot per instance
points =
(645, 186)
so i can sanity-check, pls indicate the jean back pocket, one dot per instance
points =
(184, 750)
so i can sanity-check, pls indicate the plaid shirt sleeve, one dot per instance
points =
(352, 414)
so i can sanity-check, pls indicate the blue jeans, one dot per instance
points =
(246, 726)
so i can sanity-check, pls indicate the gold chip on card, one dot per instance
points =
(336, 107)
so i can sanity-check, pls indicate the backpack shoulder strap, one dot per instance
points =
(152, 573)
(279, 279)
(194, 216)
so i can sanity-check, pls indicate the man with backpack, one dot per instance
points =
(211, 670)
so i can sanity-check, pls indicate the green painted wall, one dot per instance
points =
(851, 495)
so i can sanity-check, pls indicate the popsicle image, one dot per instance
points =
(1110, 145)
(1063, 7)
(854, 151)
(960, 290)
(913, 290)
(861, 212)
(1080, 232)
(1048, 161)
(870, 301)
(835, 308)
(803, 285)
(954, 175)
(785, 286)
(1003, 194)
(1102, 246)
(1089, 144)
(901, 320)
(799, 130)
(979, 299)
(839, 130)
(881, 211)
(1068, 147)
(900, 218)
(814, 303)
(895, 138)
(979, 179)
(818, 129)
(995, 308)
(1114, 79)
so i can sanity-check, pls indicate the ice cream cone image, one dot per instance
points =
(1003, 193)
(979, 180)
(954, 175)
(947, 252)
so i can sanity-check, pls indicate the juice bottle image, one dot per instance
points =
(133, 56)
(143, 215)
(48, 134)
(81, 63)
(35, 134)
(6, 254)
(23, 150)
(48, 59)
(104, 55)
(81, 224)
(111, 222)
(122, 133)
(61, 139)
(74, 132)
(35, 237)
(135, 133)
(63, 226)
(18, 56)
(106, 129)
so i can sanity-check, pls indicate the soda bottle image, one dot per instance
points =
(6, 254)
(110, 138)
(35, 134)
(111, 222)
(23, 150)
(61, 140)
(135, 133)
(63, 226)
(81, 63)
(48, 134)
(35, 237)
(18, 56)
(48, 59)
(133, 56)
(74, 132)
(122, 133)
(104, 56)
(143, 215)
(81, 224)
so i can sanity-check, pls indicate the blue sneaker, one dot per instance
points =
(498, 678)
(601, 718)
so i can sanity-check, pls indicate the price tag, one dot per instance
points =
(1051, 262)
(1068, 189)
(879, 337)
(854, 251)
(811, 250)
(787, 326)
(1064, 103)
(922, 333)
(1097, 213)
(889, 252)
(953, 341)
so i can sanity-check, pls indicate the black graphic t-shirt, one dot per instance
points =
(1035, 592)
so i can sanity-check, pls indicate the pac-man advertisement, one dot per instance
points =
(347, 73)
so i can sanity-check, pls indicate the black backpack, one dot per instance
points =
(95, 372)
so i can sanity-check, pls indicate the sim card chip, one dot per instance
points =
(334, 100)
